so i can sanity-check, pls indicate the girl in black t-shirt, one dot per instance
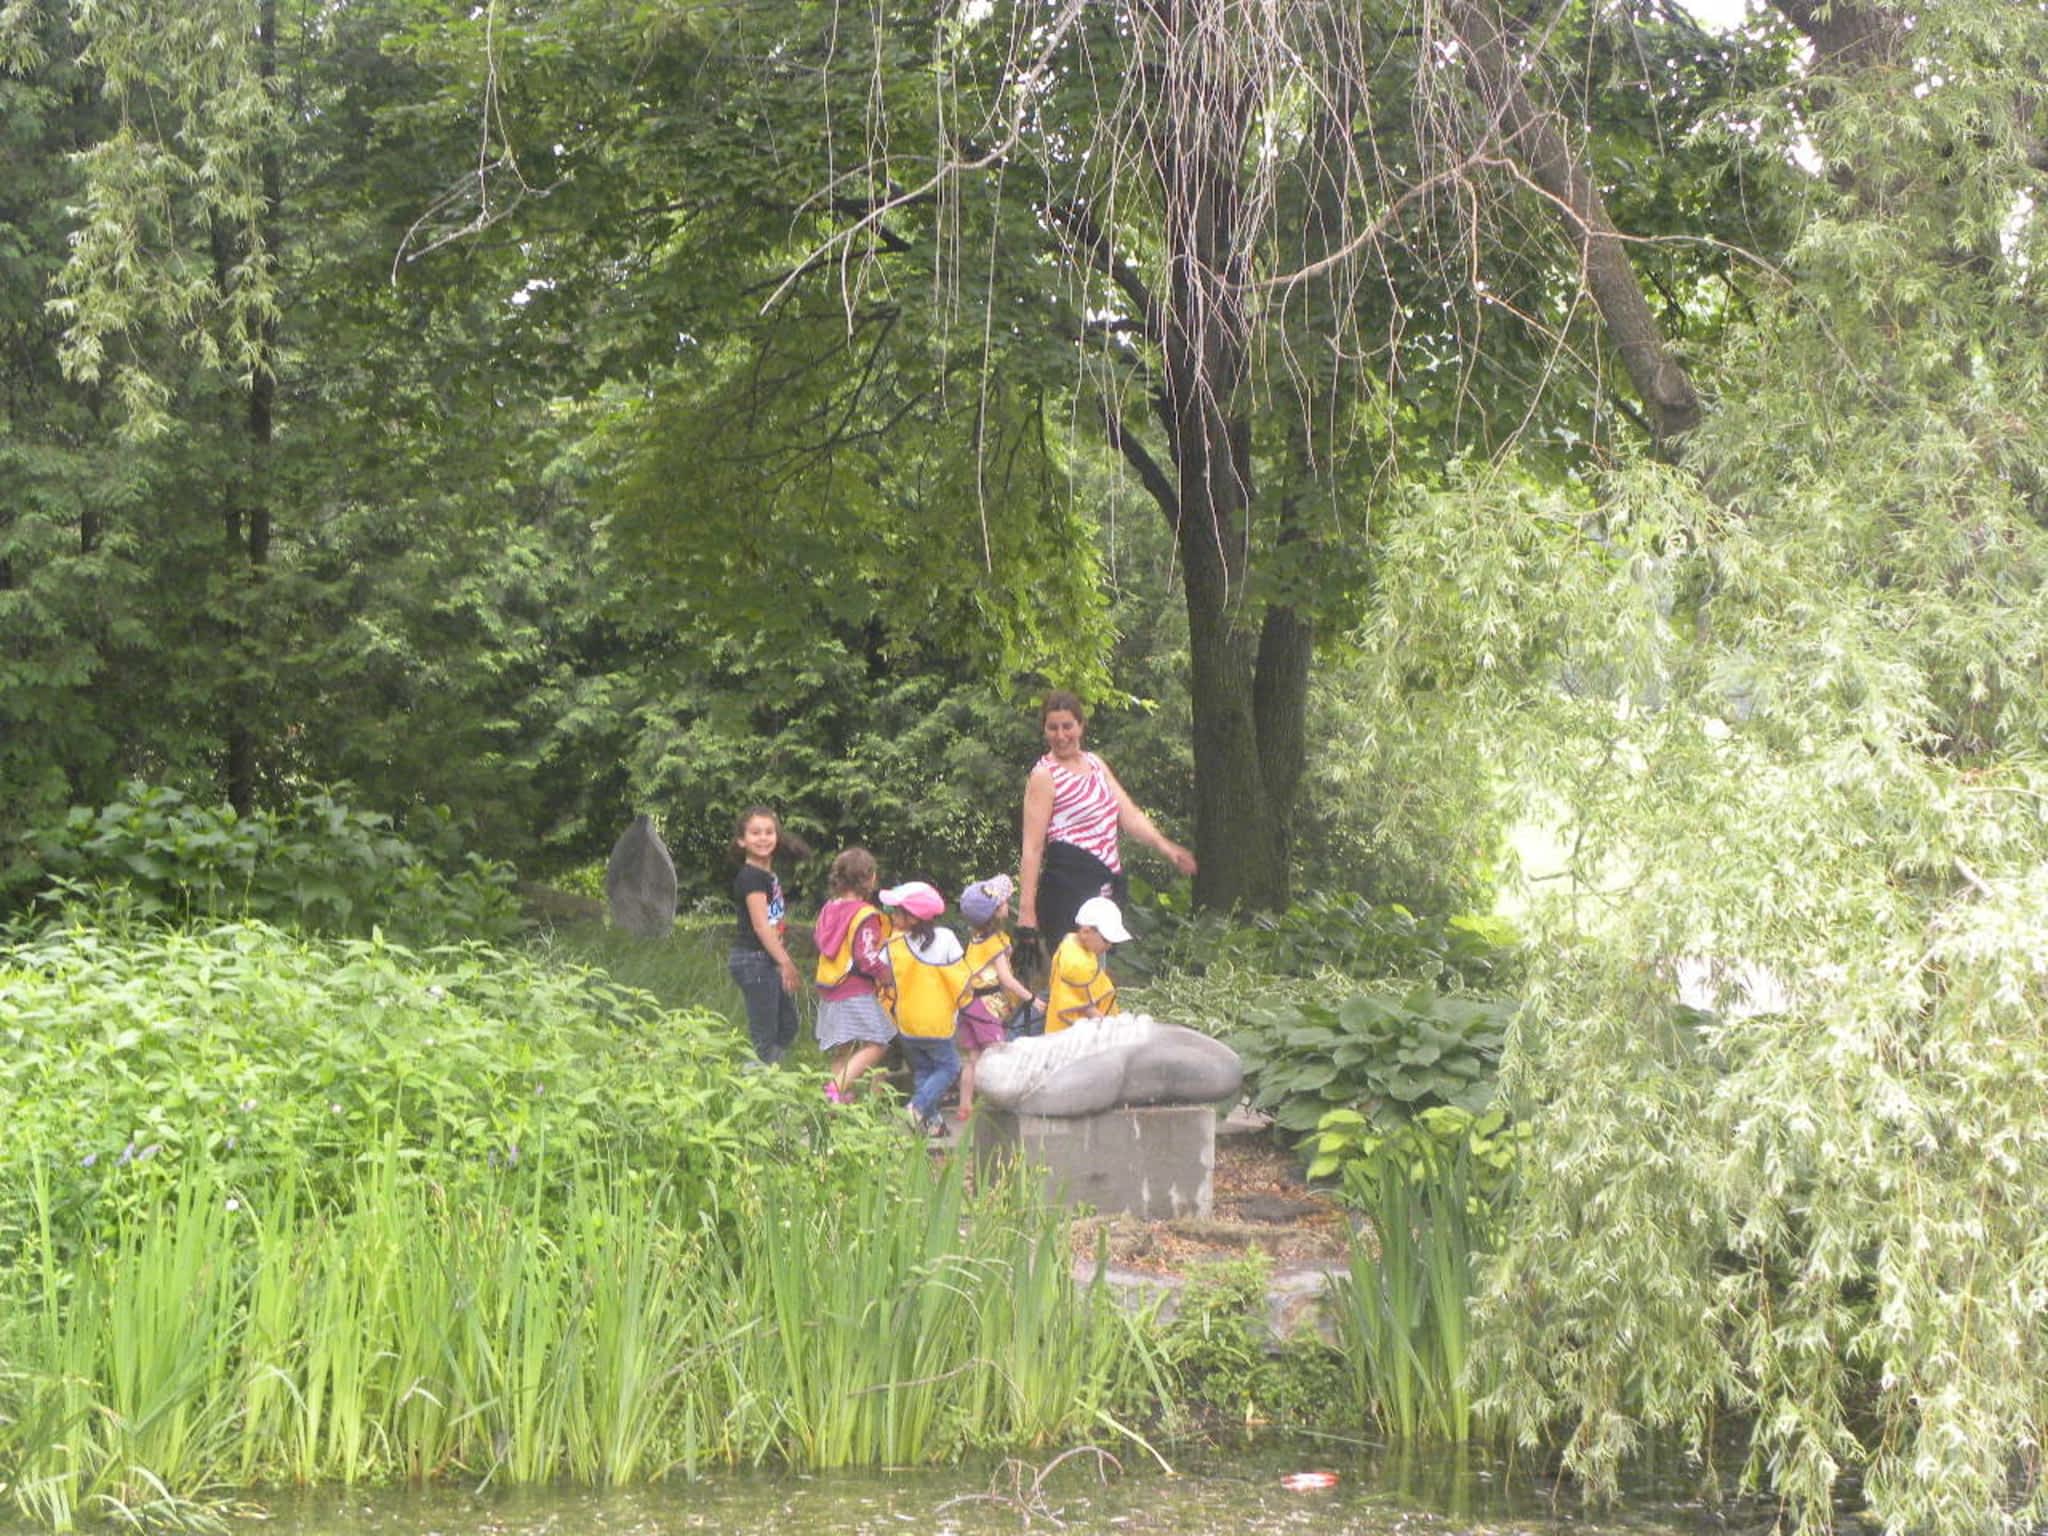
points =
(760, 964)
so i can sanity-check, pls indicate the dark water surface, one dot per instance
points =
(1212, 1491)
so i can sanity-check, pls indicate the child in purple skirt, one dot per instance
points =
(995, 990)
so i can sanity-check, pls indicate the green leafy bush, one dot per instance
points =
(1222, 997)
(1224, 1363)
(1354, 1150)
(317, 864)
(1388, 1055)
(279, 1055)
(1215, 1342)
(1347, 934)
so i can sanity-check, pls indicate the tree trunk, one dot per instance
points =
(1846, 37)
(1244, 726)
(247, 513)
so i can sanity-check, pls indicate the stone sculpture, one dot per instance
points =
(640, 882)
(1128, 1060)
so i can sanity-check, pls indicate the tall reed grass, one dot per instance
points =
(686, 969)
(1403, 1306)
(605, 1333)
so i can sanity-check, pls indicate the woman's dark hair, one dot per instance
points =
(1059, 699)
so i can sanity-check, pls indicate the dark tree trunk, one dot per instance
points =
(1846, 37)
(1242, 810)
(1248, 659)
(247, 513)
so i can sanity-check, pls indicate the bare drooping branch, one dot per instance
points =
(1533, 134)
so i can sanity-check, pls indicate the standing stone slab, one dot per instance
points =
(1157, 1163)
(640, 882)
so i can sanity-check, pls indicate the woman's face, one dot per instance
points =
(1062, 733)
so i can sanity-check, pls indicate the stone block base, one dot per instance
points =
(1156, 1164)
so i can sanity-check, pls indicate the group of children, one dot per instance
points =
(889, 973)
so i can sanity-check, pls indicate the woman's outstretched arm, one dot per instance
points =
(1132, 818)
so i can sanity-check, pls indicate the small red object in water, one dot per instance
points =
(1308, 1482)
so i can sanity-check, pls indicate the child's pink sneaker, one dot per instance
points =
(834, 1094)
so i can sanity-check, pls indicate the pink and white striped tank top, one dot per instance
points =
(1083, 809)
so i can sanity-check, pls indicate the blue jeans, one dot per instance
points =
(934, 1064)
(771, 1012)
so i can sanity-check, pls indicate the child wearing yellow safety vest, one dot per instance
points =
(929, 970)
(1080, 987)
(850, 931)
(994, 990)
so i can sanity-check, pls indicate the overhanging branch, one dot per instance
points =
(1531, 132)
(1150, 475)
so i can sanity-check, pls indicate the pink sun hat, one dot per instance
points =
(920, 900)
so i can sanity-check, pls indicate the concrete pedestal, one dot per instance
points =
(1156, 1163)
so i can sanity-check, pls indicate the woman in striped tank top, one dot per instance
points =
(1074, 809)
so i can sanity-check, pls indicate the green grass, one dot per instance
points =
(685, 971)
(602, 1335)
(279, 1211)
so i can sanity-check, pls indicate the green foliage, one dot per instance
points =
(926, 775)
(293, 1211)
(1353, 1148)
(683, 972)
(1216, 1340)
(1403, 1307)
(1221, 997)
(317, 864)
(1224, 1364)
(411, 1329)
(1389, 1055)
(274, 1053)
(1398, 806)
(1348, 935)
(1784, 701)
(1435, 1184)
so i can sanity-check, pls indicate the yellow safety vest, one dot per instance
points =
(927, 996)
(982, 955)
(1080, 989)
(837, 966)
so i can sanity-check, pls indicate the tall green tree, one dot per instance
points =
(1246, 270)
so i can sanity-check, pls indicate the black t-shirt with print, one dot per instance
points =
(744, 884)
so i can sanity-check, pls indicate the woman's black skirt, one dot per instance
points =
(1068, 876)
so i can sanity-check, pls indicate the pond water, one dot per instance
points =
(1214, 1490)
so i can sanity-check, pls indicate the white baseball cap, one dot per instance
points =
(1100, 913)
